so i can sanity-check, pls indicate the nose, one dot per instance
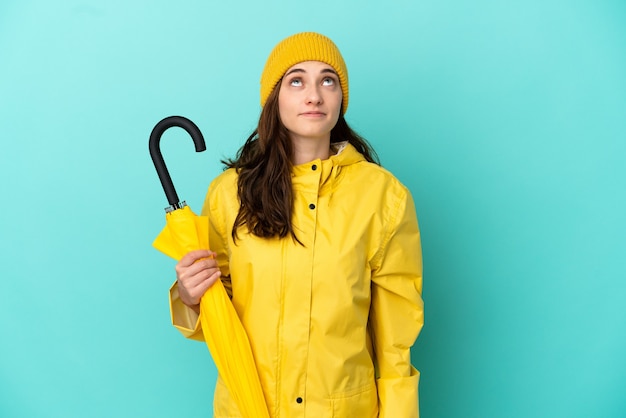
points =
(313, 95)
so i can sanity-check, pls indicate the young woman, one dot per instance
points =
(318, 248)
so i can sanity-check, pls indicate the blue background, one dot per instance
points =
(507, 120)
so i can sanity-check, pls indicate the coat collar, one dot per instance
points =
(321, 175)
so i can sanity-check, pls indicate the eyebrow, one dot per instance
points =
(300, 70)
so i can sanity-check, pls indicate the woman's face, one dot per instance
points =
(309, 100)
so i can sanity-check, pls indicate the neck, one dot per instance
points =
(309, 149)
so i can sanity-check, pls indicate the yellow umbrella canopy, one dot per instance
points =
(225, 337)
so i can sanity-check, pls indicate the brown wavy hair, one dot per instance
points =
(264, 166)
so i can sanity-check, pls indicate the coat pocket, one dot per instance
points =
(361, 402)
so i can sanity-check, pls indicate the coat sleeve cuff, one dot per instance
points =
(185, 319)
(398, 396)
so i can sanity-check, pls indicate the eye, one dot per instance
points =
(328, 81)
(295, 82)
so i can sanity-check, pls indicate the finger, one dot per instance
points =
(197, 272)
(191, 294)
(188, 287)
(203, 286)
(192, 282)
(193, 256)
(205, 264)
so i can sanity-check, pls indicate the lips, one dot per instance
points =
(313, 114)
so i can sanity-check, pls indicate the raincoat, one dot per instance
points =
(330, 322)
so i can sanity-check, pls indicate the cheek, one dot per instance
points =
(336, 101)
(285, 103)
(282, 106)
(283, 116)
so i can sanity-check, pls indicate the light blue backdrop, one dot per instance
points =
(507, 120)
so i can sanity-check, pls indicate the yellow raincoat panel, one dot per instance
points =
(330, 322)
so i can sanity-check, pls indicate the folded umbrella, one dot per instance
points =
(225, 337)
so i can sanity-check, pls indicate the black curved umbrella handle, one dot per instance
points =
(157, 157)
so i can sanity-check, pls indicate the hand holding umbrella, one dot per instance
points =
(224, 335)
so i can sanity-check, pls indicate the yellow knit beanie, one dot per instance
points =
(305, 46)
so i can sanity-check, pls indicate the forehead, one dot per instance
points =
(311, 66)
